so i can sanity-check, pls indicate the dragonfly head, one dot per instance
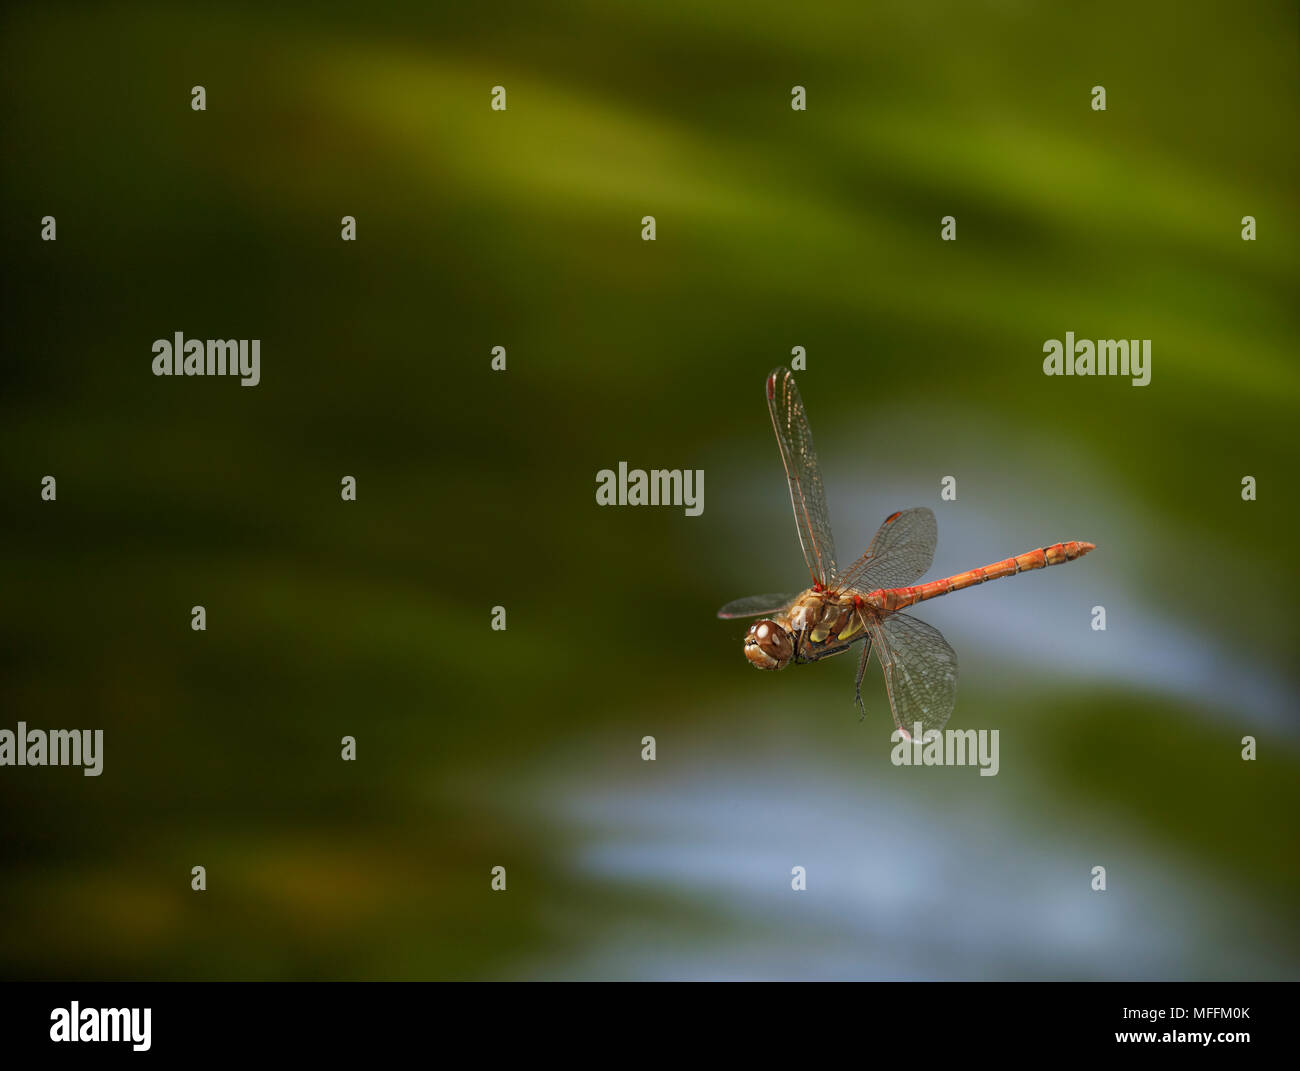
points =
(768, 645)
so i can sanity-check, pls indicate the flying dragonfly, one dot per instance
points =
(863, 601)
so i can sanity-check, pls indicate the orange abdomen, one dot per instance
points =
(1056, 554)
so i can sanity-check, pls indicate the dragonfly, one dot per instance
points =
(864, 602)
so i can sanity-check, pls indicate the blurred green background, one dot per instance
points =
(522, 229)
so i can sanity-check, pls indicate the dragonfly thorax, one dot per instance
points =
(816, 624)
(768, 645)
(807, 611)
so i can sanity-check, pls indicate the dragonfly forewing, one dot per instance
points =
(756, 606)
(807, 495)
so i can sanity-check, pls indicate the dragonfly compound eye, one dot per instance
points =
(768, 646)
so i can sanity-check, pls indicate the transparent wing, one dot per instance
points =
(920, 672)
(756, 606)
(900, 554)
(801, 469)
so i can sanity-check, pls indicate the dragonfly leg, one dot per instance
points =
(862, 669)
